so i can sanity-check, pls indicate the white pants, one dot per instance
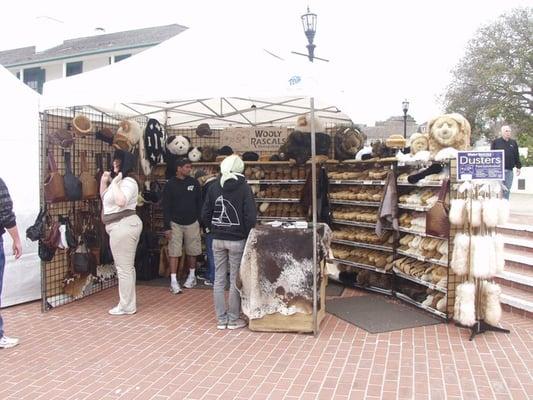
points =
(123, 238)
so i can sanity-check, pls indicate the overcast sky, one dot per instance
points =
(386, 50)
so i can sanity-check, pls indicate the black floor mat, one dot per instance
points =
(377, 314)
(334, 288)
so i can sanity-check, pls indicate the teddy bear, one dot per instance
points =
(298, 146)
(447, 134)
(176, 146)
(348, 141)
(195, 154)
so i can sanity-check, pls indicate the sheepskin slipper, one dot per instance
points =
(499, 252)
(474, 213)
(481, 257)
(457, 209)
(490, 212)
(503, 211)
(441, 304)
(459, 262)
(490, 303)
(465, 310)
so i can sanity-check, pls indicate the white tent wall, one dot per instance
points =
(19, 155)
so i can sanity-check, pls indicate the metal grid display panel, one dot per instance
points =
(59, 284)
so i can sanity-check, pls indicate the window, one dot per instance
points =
(122, 57)
(74, 68)
(34, 78)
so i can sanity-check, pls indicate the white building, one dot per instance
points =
(75, 56)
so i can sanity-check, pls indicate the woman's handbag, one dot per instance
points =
(45, 253)
(35, 232)
(48, 244)
(89, 184)
(54, 184)
(82, 260)
(437, 221)
(72, 183)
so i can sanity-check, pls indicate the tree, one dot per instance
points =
(493, 83)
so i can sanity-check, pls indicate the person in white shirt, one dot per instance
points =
(119, 199)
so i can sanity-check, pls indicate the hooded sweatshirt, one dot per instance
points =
(229, 212)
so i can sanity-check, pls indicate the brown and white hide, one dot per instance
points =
(276, 273)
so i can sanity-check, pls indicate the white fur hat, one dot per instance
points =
(130, 129)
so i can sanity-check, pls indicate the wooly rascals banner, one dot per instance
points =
(256, 139)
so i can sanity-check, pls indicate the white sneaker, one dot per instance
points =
(119, 311)
(190, 282)
(7, 342)
(175, 288)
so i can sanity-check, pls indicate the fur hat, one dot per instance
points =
(348, 141)
(131, 130)
(250, 156)
(82, 125)
(225, 151)
(209, 153)
(195, 154)
(303, 124)
(178, 144)
(203, 130)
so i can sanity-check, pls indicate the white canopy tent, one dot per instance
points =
(192, 78)
(19, 152)
(206, 77)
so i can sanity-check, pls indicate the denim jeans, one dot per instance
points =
(210, 275)
(2, 265)
(508, 182)
(228, 253)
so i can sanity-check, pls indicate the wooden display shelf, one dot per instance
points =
(421, 258)
(370, 288)
(354, 223)
(363, 245)
(418, 280)
(355, 203)
(420, 305)
(359, 265)
(276, 181)
(355, 182)
(280, 200)
(413, 207)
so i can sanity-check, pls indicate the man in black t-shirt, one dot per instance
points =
(182, 204)
(511, 156)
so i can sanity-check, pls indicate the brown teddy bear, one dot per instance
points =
(448, 131)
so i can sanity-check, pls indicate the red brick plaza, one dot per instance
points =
(171, 349)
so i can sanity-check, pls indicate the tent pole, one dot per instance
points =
(313, 195)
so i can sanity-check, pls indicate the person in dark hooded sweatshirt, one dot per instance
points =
(119, 199)
(229, 212)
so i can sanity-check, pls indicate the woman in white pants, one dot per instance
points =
(119, 199)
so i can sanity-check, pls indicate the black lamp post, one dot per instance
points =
(405, 108)
(309, 24)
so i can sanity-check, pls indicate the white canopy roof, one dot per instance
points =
(198, 76)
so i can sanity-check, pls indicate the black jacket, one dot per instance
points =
(510, 152)
(182, 201)
(230, 212)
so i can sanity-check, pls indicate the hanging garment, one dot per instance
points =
(388, 209)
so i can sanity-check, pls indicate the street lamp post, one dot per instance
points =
(309, 24)
(405, 108)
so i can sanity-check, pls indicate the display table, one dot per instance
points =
(276, 278)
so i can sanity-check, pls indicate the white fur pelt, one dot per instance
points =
(490, 212)
(422, 155)
(457, 209)
(402, 157)
(491, 308)
(464, 309)
(474, 213)
(459, 262)
(482, 248)
(499, 253)
(503, 211)
(446, 153)
(363, 151)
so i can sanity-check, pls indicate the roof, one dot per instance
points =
(91, 45)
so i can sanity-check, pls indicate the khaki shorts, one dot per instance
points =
(190, 234)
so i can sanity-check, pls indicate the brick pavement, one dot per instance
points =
(171, 349)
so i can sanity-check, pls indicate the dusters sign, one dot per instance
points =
(254, 139)
(486, 165)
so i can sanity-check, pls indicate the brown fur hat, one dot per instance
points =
(348, 141)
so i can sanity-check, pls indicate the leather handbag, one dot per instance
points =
(72, 183)
(89, 185)
(437, 221)
(82, 260)
(54, 184)
(45, 253)
(35, 232)
(52, 236)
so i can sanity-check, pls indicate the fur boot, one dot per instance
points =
(499, 253)
(459, 262)
(474, 213)
(464, 310)
(457, 209)
(490, 212)
(481, 250)
(490, 303)
(503, 211)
